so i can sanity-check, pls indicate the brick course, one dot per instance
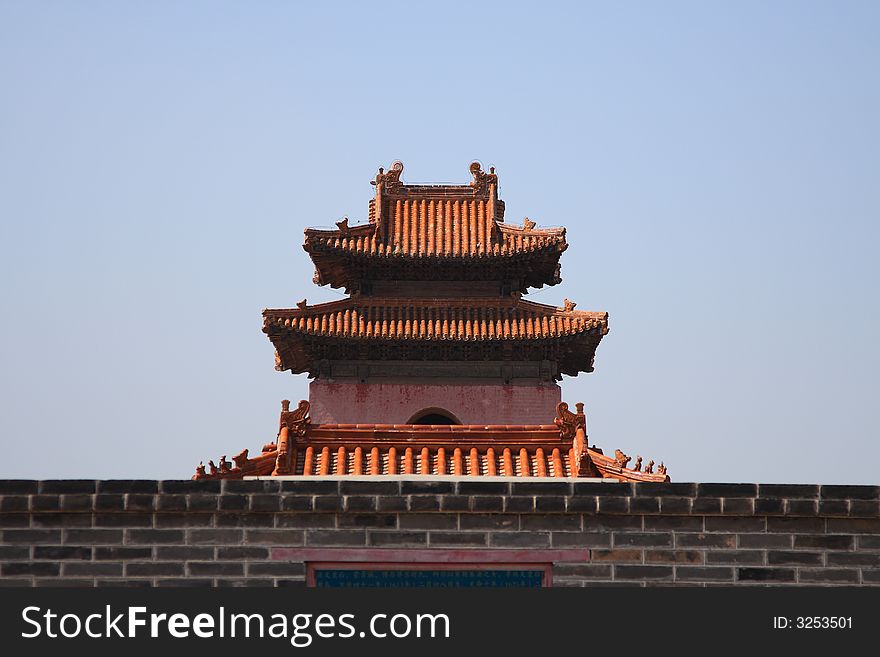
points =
(211, 533)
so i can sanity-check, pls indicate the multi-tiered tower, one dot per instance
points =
(435, 325)
(434, 364)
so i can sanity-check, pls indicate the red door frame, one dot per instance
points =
(428, 559)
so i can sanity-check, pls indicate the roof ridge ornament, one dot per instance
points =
(569, 422)
(292, 425)
(622, 459)
(391, 180)
(295, 420)
(482, 180)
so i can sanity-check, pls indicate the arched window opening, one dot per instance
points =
(434, 416)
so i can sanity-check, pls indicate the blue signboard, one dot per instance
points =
(345, 578)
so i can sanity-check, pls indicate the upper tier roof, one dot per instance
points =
(436, 232)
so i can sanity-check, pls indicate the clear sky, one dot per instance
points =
(717, 166)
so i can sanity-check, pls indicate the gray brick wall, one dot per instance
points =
(211, 533)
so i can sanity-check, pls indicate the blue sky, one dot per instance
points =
(716, 165)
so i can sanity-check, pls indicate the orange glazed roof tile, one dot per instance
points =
(436, 223)
(543, 451)
(572, 334)
(429, 319)
(455, 235)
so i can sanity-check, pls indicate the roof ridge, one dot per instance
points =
(458, 303)
(525, 304)
(555, 231)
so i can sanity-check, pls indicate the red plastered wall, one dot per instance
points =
(395, 403)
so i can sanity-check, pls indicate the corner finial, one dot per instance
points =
(482, 180)
(569, 422)
(391, 180)
(295, 420)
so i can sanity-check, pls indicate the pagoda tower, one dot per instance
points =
(435, 330)
(434, 364)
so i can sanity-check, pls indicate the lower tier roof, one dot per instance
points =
(542, 451)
